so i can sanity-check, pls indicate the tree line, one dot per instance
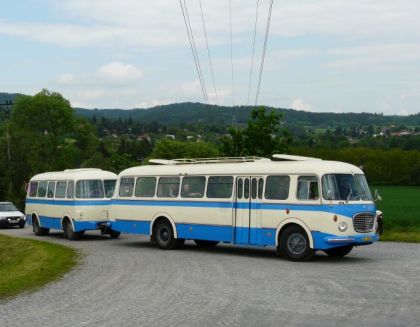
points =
(43, 133)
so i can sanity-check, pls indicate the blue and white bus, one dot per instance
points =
(74, 200)
(298, 204)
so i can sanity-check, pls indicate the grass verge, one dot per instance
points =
(29, 264)
(397, 236)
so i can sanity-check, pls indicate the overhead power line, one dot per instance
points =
(253, 53)
(231, 54)
(264, 50)
(193, 48)
(208, 52)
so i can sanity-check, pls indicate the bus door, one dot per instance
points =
(248, 209)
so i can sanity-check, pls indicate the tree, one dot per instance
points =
(171, 149)
(44, 135)
(261, 137)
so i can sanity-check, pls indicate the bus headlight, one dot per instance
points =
(342, 227)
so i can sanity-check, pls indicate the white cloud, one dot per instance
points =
(298, 104)
(66, 79)
(119, 73)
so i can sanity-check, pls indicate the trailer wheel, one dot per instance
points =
(38, 230)
(69, 232)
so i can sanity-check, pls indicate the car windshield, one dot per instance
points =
(7, 207)
(345, 187)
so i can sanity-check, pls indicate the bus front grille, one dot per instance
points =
(363, 222)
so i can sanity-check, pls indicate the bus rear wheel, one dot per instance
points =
(294, 244)
(69, 232)
(164, 236)
(114, 233)
(206, 244)
(38, 230)
(340, 251)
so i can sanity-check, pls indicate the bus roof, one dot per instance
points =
(316, 167)
(76, 174)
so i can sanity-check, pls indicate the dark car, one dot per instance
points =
(11, 216)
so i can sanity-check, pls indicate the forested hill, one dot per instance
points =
(193, 113)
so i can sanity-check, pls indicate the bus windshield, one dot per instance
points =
(345, 187)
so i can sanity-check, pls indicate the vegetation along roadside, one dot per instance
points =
(28, 264)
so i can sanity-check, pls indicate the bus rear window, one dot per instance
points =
(89, 189)
(126, 187)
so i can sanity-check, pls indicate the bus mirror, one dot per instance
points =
(329, 195)
(377, 196)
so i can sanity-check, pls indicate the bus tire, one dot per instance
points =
(38, 230)
(294, 244)
(114, 234)
(69, 233)
(206, 244)
(340, 252)
(164, 236)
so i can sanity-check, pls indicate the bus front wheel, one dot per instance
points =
(38, 230)
(340, 251)
(164, 236)
(294, 244)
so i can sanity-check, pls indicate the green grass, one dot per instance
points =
(401, 208)
(29, 264)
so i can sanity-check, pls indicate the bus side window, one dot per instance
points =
(240, 188)
(219, 187)
(126, 187)
(70, 190)
(60, 191)
(168, 187)
(307, 188)
(193, 187)
(145, 187)
(260, 187)
(277, 187)
(42, 190)
(51, 190)
(33, 186)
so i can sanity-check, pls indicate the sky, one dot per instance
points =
(322, 55)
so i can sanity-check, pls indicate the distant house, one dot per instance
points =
(145, 138)
(170, 136)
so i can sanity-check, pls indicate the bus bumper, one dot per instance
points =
(324, 241)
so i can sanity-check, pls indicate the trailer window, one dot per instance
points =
(60, 191)
(109, 186)
(42, 190)
(33, 186)
(89, 189)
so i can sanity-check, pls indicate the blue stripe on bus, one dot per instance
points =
(69, 202)
(55, 223)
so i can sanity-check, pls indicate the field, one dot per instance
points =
(28, 264)
(401, 208)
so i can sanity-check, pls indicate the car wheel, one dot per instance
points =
(340, 251)
(294, 244)
(22, 224)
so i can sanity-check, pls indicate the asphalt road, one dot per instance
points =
(129, 282)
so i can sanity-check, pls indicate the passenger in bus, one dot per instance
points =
(186, 192)
(173, 191)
